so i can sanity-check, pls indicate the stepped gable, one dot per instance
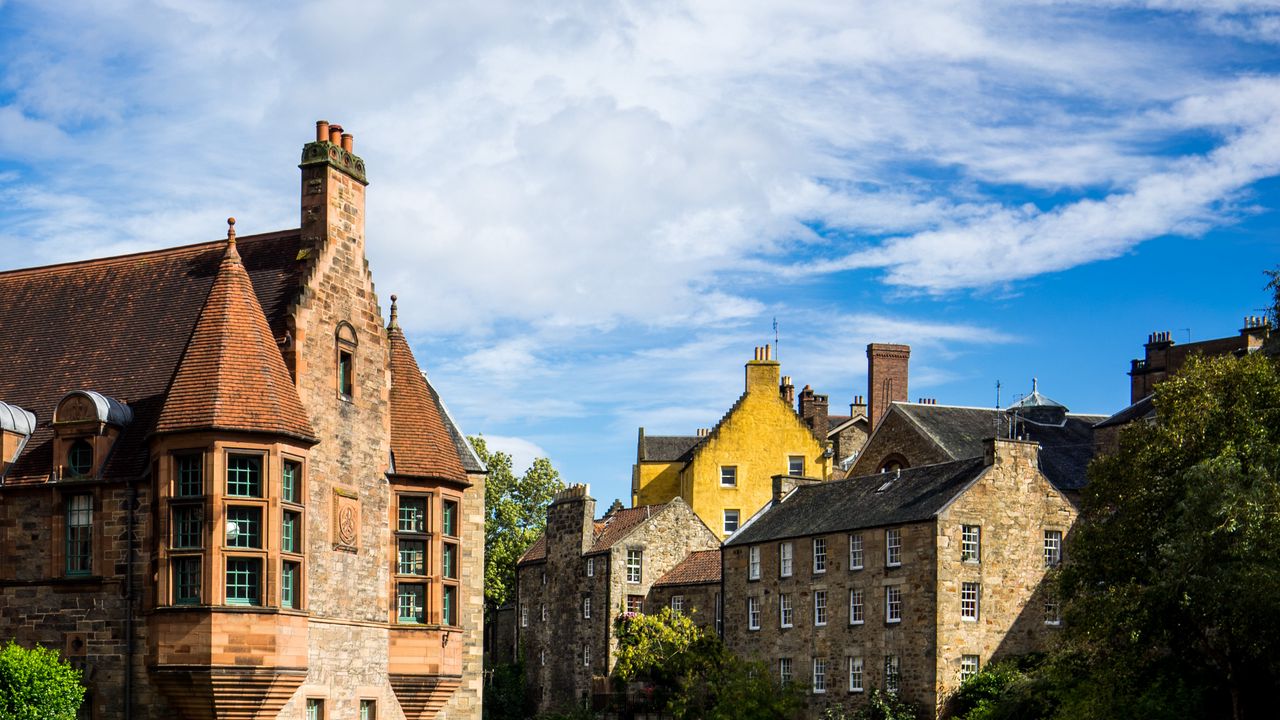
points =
(698, 567)
(421, 444)
(119, 326)
(232, 376)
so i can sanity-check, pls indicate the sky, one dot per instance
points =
(593, 211)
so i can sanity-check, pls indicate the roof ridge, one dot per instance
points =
(158, 253)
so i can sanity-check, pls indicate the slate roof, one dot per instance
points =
(470, 460)
(1065, 451)
(1142, 410)
(699, 567)
(421, 445)
(607, 532)
(842, 505)
(120, 326)
(668, 448)
(232, 376)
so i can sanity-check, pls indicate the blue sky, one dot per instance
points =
(592, 211)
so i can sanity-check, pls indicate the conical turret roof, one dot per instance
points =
(420, 444)
(232, 376)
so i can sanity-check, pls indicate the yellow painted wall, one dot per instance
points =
(657, 483)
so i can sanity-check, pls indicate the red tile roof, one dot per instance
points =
(420, 443)
(119, 326)
(608, 530)
(535, 552)
(698, 567)
(232, 376)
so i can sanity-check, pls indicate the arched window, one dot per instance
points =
(80, 458)
(345, 353)
(893, 463)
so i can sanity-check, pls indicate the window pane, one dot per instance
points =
(413, 515)
(290, 576)
(729, 475)
(368, 710)
(80, 535)
(450, 605)
(190, 475)
(413, 558)
(449, 558)
(291, 482)
(795, 465)
(244, 576)
(248, 522)
(188, 526)
(291, 532)
(411, 600)
(449, 518)
(244, 476)
(80, 458)
(186, 580)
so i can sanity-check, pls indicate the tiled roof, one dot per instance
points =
(535, 552)
(698, 567)
(232, 376)
(420, 442)
(119, 326)
(1143, 409)
(864, 502)
(668, 448)
(607, 531)
(1065, 450)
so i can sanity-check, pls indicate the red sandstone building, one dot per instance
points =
(227, 490)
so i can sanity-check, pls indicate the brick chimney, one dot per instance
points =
(763, 372)
(886, 378)
(813, 410)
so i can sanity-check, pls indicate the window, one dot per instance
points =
(635, 603)
(190, 476)
(784, 670)
(544, 578)
(586, 607)
(970, 543)
(893, 604)
(891, 673)
(819, 555)
(449, 518)
(819, 607)
(346, 373)
(753, 613)
(411, 605)
(80, 535)
(591, 567)
(186, 580)
(635, 560)
(677, 604)
(449, 608)
(291, 532)
(893, 547)
(248, 527)
(753, 563)
(795, 465)
(449, 561)
(1052, 610)
(1052, 548)
(542, 657)
(524, 616)
(368, 710)
(244, 580)
(586, 655)
(291, 482)
(290, 585)
(855, 606)
(728, 475)
(969, 593)
(730, 521)
(855, 551)
(785, 614)
(413, 515)
(855, 674)
(784, 559)
(188, 526)
(542, 610)
(968, 667)
(244, 476)
(315, 709)
(819, 675)
(80, 458)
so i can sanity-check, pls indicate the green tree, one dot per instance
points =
(693, 674)
(1172, 585)
(35, 683)
(515, 515)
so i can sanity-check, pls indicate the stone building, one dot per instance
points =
(723, 473)
(692, 588)
(228, 490)
(907, 580)
(580, 575)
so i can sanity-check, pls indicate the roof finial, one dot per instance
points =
(395, 315)
(231, 231)
(1034, 386)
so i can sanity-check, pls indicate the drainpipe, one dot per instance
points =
(128, 621)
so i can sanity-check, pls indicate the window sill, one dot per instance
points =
(893, 622)
(855, 623)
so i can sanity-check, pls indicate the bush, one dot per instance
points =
(36, 683)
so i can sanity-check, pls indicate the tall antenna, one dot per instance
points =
(776, 356)
(997, 413)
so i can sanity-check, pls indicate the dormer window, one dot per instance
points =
(346, 354)
(85, 425)
(80, 458)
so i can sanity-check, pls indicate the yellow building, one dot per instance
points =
(726, 473)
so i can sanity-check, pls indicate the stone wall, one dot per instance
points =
(698, 601)
(467, 701)
(897, 438)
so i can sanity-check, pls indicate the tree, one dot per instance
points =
(35, 683)
(1172, 585)
(691, 672)
(515, 515)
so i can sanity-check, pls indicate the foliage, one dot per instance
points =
(515, 514)
(1011, 688)
(1272, 344)
(504, 696)
(693, 674)
(1172, 586)
(879, 705)
(35, 683)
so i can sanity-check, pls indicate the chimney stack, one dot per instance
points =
(887, 367)
(763, 373)
(813, 410)
(787, 391)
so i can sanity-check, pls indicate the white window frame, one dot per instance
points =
(970, 601)
(737, 521)
(524, 616)
(591, 567)
(856, 681)
(729, 472)
(856, 556)
(971, 543)
(819, 555)
(1052, 610)
(635, 565)
(893, 604)
(586, 608)
(1052, 548)
(857, 606)
(786, 613)
(819, 675)
(784, 670)
(753, 613)
(753, 562)
(677, 604)
(893, 547)
(969, 666)
(786, 553)
(543, 610)
(586, 655)
(819, 607)
(892, 673)
(791, 465)
(542, 657)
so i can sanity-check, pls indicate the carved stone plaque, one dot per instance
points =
(346, 521)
